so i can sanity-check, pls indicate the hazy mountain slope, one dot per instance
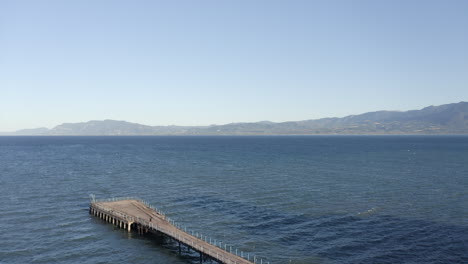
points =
(443, 119)
(34, 131)
(106, 127)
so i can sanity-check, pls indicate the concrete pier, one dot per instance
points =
(135, 215)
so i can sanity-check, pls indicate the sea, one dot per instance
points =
(282, 199)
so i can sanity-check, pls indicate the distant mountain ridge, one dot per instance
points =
(443, 119)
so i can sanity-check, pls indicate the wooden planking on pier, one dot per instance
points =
(132, 214)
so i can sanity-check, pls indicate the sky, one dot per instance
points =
(215, 62)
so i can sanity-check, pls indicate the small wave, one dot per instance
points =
(83, 237)
(368, 212)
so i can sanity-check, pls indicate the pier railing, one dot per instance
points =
(218, 243)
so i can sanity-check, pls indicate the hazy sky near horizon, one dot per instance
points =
(215, 62)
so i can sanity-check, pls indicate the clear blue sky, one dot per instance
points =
(215, 62)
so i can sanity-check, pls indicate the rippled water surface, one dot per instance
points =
(318, 199)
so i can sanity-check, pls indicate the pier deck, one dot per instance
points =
(137, 216)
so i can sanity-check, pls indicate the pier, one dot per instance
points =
(135, 215)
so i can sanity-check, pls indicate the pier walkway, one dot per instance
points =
(136, 215)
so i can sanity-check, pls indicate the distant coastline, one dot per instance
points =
(448, 119)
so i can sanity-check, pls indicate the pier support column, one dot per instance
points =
(129, 226)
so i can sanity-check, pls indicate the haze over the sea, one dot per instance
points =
(218, 62)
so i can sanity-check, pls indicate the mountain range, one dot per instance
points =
(443, 119)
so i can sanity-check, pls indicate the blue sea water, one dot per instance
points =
(298, 199)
